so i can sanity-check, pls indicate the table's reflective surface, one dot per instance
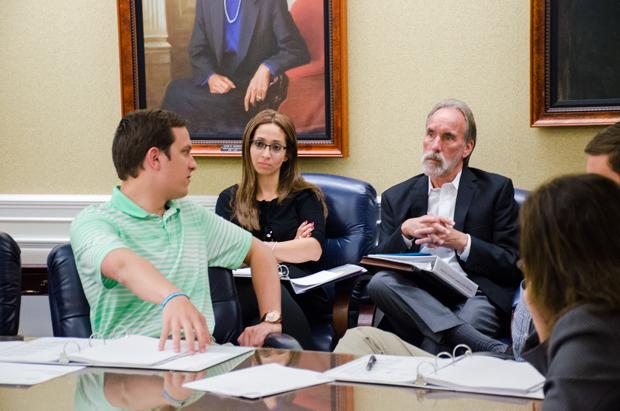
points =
(110, 389)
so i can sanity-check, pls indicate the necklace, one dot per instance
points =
(231, 21)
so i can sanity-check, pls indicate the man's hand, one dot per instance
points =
(427, 227)
(449, 238)
(180, 316)
(219, 84)
(257, 89)
(255, 336)
(304, 230)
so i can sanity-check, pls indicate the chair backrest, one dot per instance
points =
(226, 307)
(71, 313)
(69, 308)
(10, 285)
(351, 221)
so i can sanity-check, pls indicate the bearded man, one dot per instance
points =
(465, 216)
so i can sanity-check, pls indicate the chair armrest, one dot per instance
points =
(284, 341)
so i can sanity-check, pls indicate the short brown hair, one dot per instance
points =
(136, 133)
(568, 255)
(607, 142)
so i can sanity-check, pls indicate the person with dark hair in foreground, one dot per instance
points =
(572, 269)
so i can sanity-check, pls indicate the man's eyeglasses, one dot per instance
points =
(275, 148)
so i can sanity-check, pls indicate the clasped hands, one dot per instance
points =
(434, 231)
(180, 317)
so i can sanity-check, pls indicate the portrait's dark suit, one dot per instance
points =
(485, 209)
(267, 35)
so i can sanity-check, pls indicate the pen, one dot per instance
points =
(371, 362)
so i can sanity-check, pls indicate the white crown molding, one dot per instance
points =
(39, 222)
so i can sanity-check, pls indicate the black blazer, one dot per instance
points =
(485, 209)
(268, 35)
(579, 360)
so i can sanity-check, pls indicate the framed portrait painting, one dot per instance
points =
(574, 62)
(219, 62)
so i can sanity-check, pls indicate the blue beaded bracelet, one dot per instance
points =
(171, 296)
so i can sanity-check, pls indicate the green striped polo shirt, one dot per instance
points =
(181, 244)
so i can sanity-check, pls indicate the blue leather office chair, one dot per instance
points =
(70, 311)
(10, 285)
(350, 233)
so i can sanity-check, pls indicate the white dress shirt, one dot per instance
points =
(441, 202)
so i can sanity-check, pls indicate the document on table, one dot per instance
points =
(30, 374)
(260, 381)
(132, 351)
(387, 369)
(472, 373)
(43, 350)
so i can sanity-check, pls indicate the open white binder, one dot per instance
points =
(471, 373)
(430, 264)
(132, 351)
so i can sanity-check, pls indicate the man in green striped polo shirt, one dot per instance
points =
(143, 257)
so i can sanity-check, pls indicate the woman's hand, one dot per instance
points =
(540, 323)
(304, 230)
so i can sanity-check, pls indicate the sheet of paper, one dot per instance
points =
(326, 276)
(214, 355)
(260, 381)
(303, 284)
(30, 374)
(243, 272)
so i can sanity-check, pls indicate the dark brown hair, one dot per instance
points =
(136, 133)
(607, 142)
(245, 206)
(570, 256)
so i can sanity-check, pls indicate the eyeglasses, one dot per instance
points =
(275, 148)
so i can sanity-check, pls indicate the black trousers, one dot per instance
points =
(298, 310)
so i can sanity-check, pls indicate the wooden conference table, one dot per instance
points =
(92, 389)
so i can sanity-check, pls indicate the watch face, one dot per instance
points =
(272, 317)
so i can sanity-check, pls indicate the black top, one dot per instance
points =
(280, 221)
(579, 361)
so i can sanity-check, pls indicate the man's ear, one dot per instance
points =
(469, 147)
(152, 159)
